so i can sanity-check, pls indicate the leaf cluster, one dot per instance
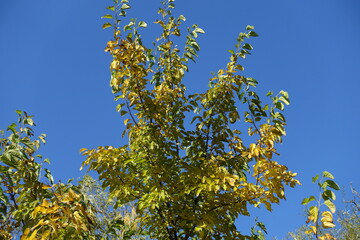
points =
(326, 198)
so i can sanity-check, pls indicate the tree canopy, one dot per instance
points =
(187, 167)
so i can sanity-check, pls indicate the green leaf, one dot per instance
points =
(248, 46)
(106, 25)
(112, 8)
(49, 176)
(305, 201)
(332, 184)
(316, 177)
(326, 174)
(107, 16)
(269, 93)
(195, 45)
(330, 205)
(262, 226)
(328, 194)
(12, 127)
(280, 106)
(253, 34)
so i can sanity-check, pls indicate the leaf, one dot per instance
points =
(12, 127)
(248, 46)
(107, 16)
(123, 112)
(142, 24)
(45, 186)
(199, 30)
(126, 121)
(328, 194)
(125, 6)
(33, 235)
(253, 34)
(313, 213)
(112, 8)
(45, 234)
(284, 100)
(305, 201)
(332, 184)
(195, 45)
(327, 175)
(262, 226)
(182, 18)
(269, 93)
(249, 27)
(316, 177)
(330, 205)
(106, 25)
(82, 150)
(327, 220)
(280, 106)
(49, 176)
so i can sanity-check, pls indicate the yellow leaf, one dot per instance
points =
(45, 235)
(313, 214)
(329, 236)
(327, 217)
(231, 181)
(327, 220)
(73, 195)
(33, 235)
(82, 150)
(328, 225)
(25, 234)
(311, 230)
(34, 213)
(46, 186)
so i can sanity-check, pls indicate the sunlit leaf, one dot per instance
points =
(106, 25)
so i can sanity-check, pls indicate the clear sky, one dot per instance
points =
(53, 66)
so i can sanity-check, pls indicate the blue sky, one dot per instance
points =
(53, 66)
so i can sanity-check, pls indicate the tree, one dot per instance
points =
(349, 218)
(187, 168)
(30, 206)
(111, 223)
(34, 207)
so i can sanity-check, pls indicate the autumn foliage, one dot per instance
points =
(187, 167)
(193, 162)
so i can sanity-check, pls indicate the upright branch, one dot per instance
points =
(326, 199)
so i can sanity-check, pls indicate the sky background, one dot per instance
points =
(53, 66)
